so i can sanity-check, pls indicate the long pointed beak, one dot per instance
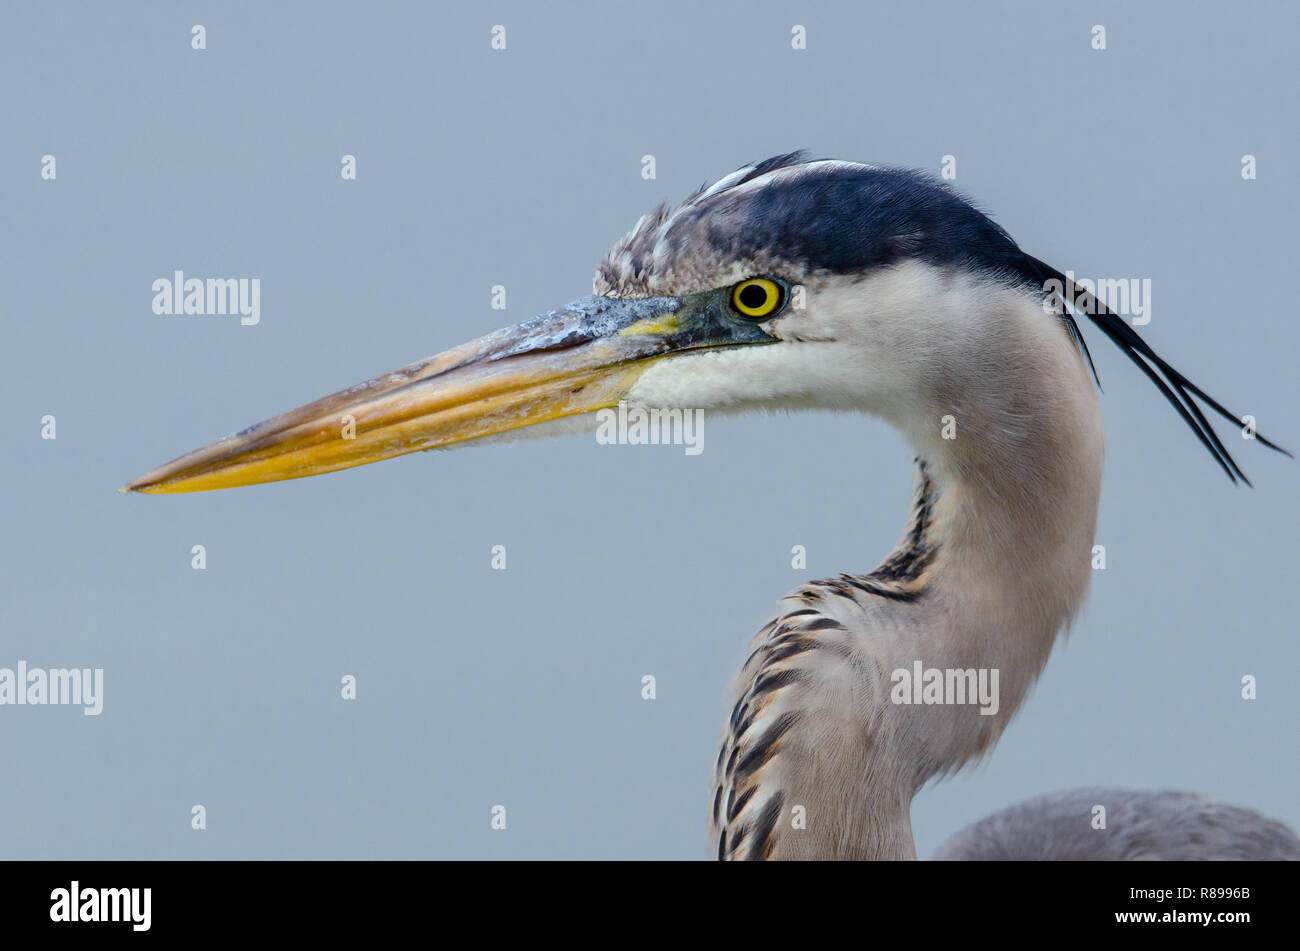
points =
(579, 359)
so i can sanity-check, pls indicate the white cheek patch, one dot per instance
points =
(863, 344)
(732, 377)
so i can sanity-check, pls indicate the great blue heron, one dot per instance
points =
(822, 284)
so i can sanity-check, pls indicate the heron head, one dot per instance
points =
(789, 283)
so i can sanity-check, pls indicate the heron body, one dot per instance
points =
(1142, 825)
(834, 286)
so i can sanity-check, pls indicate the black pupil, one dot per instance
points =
(754, 296)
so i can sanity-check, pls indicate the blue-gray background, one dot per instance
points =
(476, 168)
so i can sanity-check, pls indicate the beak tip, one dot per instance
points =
(142, 485)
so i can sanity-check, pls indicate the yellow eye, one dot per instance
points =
(757, 297)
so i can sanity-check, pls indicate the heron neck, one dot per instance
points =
(1000, 541)
(994, 563)
(835, 725)
(997, 554)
